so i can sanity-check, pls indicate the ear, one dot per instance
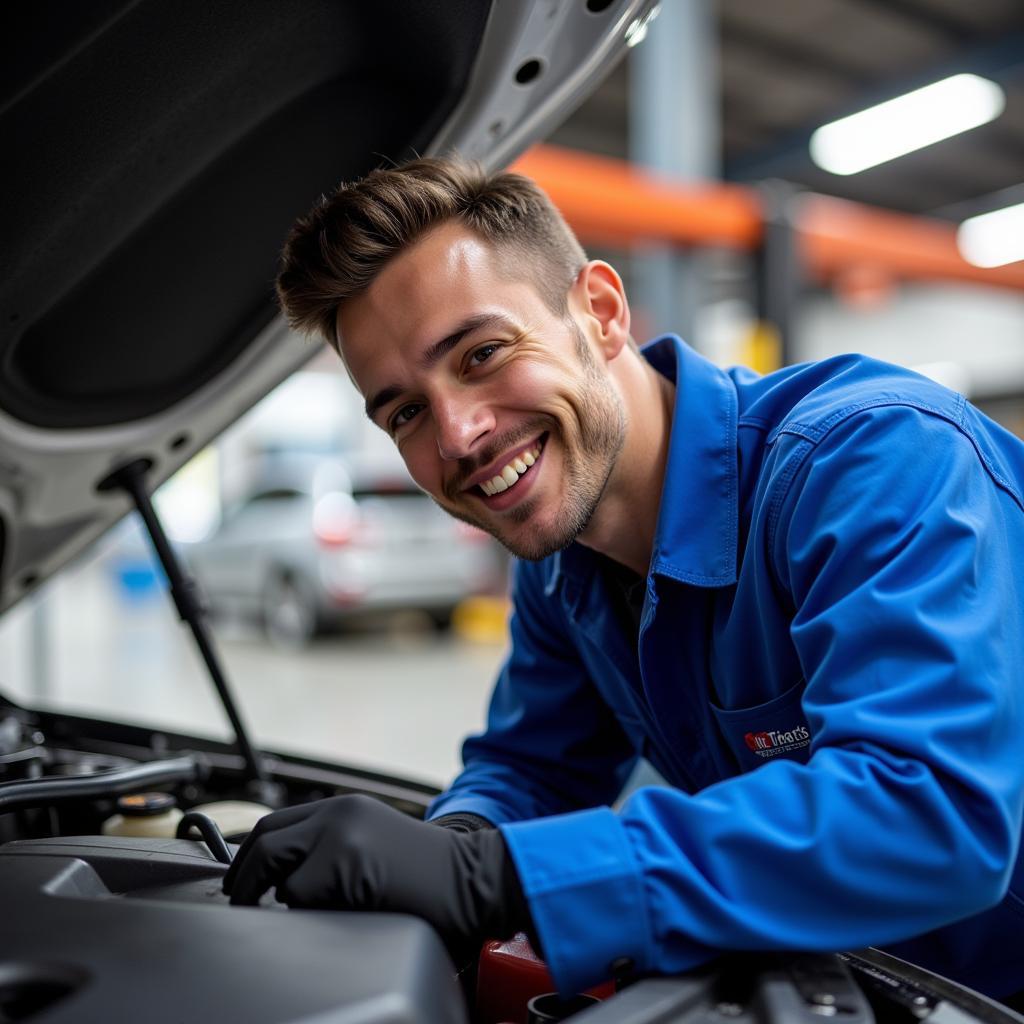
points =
(601, 300)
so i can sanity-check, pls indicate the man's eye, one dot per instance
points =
(482, 354)
(404, 415)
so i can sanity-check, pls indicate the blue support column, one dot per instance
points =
(675, 129)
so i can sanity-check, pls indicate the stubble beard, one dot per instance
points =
(587, 467)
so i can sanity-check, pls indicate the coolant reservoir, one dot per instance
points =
(151, 815)
(235, 818)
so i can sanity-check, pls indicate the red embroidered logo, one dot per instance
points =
(774, 741)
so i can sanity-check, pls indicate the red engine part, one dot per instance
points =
(509, 975)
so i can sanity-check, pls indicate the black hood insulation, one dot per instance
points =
(158, 153)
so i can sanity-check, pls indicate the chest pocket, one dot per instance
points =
(767, 732)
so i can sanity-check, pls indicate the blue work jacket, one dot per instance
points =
(828, 674)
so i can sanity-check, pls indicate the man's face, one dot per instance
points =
(503, 412)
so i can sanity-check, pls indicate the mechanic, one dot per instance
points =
(798, 596)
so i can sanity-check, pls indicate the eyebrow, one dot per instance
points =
(437, 351)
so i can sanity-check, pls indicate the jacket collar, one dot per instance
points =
(696, 537)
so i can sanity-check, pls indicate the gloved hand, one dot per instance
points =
(355, 853)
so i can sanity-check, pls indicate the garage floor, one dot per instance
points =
(398, 698)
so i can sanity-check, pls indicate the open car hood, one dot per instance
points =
(157, 155)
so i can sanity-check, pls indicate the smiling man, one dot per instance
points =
(497, 399)
(795, 595)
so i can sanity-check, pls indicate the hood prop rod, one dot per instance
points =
(131, 478)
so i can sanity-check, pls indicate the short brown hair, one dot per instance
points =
(336, 251)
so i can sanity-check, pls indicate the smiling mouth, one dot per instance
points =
(513, 472)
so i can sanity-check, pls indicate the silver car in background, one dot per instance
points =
(315, 541)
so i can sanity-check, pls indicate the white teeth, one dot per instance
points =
(511, 473)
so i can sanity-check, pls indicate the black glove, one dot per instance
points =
(355, 853)
(462, 821)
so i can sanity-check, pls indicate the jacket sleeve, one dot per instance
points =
(551, 744)
(901, 556)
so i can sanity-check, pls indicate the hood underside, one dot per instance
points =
(163, 151)
(157, 155)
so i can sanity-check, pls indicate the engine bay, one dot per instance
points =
(112, 910)
(119, 927)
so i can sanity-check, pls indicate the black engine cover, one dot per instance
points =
(106, 929)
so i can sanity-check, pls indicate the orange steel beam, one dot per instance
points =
(611, 202)
(836, 234)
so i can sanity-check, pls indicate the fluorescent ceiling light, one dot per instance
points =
(992, 239)
(913, 121)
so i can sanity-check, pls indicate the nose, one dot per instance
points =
(462, 423)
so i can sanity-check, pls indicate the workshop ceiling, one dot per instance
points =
(786, 67)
